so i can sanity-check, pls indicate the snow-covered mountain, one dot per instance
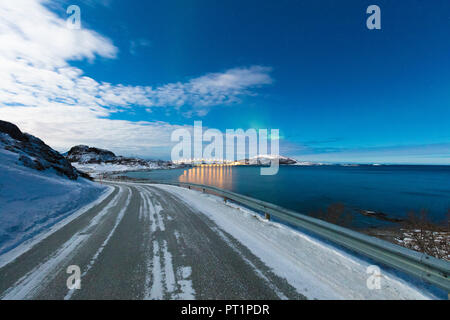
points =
(96, 161)
(267, 158)
(86, 154)
(38, 187)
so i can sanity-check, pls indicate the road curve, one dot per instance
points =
(142, 242)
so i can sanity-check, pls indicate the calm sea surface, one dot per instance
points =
(393, 190)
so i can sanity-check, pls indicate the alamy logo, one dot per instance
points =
(374, 20)
(374, 280)
(73, 281)
(191, 150)
(74, 20)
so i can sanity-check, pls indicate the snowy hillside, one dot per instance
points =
(38, 187)
(266, 159)
(96, 161)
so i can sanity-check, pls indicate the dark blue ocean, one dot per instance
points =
(392, 190)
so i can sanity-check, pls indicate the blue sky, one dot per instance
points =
(336, 90)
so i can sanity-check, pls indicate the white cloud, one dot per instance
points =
(71, 125)
(214, 88)
(33, 34)
(42, 93)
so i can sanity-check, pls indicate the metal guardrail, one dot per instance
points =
(423, 266)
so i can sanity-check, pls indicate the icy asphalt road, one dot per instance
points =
(142, 242)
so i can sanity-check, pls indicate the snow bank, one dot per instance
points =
(318, 270)
(31, 201)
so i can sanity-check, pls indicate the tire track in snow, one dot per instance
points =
(163, 281)
(151, 210)
(156, 289)
(143, 206)
(104, 244)
(279, 293)
(166, 283)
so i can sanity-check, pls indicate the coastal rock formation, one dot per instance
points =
(33, 152)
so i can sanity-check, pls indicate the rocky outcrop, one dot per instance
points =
(33, 152)
(12, 130)
(86, 154)
(286, 160)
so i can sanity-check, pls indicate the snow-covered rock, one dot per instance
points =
(38, 187)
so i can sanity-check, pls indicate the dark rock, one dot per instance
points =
(12, 130)
(287, 161)
(26, 161)
(34, 153)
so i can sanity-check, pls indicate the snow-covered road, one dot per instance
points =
(163, 242)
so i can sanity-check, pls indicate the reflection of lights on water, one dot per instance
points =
(219, 176)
